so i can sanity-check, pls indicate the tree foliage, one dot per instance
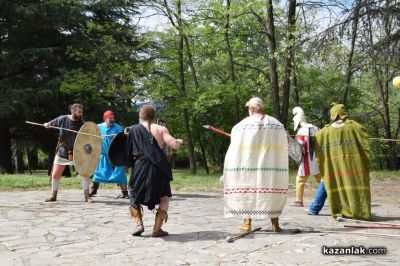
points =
(201, 67)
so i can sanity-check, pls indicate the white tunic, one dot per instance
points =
(308, 165)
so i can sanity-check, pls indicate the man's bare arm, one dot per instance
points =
(171, 141)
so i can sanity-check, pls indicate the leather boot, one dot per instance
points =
(246, 226)
(124, 190)
(52, 198)
(137, 215)
(87, 196)
(275, 225)
(95, 187)
(161, 216)
(125, 195)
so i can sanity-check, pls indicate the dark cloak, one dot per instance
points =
(151, 174)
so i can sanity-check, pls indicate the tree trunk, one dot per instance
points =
(349, 70)
(381, 74)
(203, 153)
(32, 154)
(296, 88)
(52, 154)
(231, 60)
(185, 113)
(5, 151)
(215, 152)
(273, 61)
(19, 161)
(192, 160)
(191, 64)
(291, 28)
(391, 145)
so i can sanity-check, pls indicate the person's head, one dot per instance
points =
(109, 118)
(76, 111)
(147, 113)
(338, 112)
(299, 117)
(255, 105)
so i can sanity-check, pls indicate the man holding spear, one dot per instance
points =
(64, 150)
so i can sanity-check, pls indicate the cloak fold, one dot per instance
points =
(256, 171)
(105, 172)
(151, 175)
(343, 154)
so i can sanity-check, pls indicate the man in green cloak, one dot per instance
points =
(343, 158)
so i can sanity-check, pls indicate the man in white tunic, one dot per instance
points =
(308, 164)
(256, 174)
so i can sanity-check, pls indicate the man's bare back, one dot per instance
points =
(161, 134)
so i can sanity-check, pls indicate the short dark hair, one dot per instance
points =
(147, 113)
(74, 106)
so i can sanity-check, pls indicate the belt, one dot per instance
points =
(140, 158)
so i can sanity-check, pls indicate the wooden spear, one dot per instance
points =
(70, 130)
(342, 219)
(373, 226)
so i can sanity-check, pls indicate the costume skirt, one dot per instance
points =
(148, 184)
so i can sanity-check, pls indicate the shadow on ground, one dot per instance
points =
(376, 218)
(196, 236)
(195, 196)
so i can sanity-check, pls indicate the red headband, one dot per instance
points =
(107, 114)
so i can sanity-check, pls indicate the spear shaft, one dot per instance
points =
(66, 129)
(217, 130)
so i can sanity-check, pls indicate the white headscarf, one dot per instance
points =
(299, 117)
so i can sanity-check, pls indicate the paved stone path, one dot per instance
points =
(71, 232)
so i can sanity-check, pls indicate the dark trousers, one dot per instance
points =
(96, 186)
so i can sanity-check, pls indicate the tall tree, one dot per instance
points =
(354, 30)
(86, 48)
(231, 59)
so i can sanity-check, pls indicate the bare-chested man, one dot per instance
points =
(149, 184)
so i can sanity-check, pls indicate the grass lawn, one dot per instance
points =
(183, 181)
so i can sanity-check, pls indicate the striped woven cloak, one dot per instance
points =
(256, 173)
(343, 157)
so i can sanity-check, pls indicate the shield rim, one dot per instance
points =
(113, 143)
(76, 161)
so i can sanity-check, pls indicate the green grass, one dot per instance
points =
(183, 181)
(201, 182)
(38, 182)
(385, 175)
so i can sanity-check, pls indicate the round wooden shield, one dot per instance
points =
(295, 150)
(118, 150)
(87, 149)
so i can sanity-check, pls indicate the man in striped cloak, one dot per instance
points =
(308, 164)
(256, 173)
(343, 158)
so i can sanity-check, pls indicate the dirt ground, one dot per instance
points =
(387, 191)
(382, 191)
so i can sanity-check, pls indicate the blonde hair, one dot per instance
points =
(257, 107)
